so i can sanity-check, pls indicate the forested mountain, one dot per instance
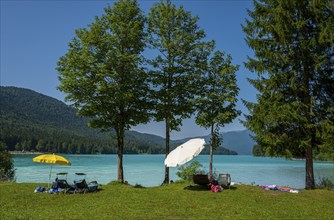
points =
(32, 121)
(35, 122)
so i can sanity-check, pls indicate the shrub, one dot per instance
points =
(138, 186)
(325, 157)
(325, 183)
(7, 171)
(186, 172)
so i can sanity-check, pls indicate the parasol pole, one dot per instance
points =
(49, 178)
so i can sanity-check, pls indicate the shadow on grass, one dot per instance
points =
(197, 187)
(232, 188)
(115, 183)
(139, 186)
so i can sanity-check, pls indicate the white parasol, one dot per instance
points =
(185, 152)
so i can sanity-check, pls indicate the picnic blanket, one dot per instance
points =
(280, 188)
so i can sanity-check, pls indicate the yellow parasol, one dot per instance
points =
(51, 159)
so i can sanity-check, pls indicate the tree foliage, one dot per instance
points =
(187, 171)
(7, 171)
(102, 72)
(293, 48)
(216, 104)
(176, 36)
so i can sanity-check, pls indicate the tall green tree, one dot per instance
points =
(293, 58)
(178, 40)
(102, 72)
(216, 105)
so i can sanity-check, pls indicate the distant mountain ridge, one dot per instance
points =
(237, 141)
(39, 122)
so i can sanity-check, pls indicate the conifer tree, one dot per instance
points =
(178, 39)
(102, 73)
(293, 58)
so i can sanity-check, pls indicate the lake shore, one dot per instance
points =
(25, 152)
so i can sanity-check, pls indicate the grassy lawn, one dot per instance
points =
(118, 201)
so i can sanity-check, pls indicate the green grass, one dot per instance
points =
(118, 201)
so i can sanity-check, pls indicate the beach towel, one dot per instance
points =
(280, 188)
(39, 189)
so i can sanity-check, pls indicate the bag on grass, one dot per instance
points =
(215, 188)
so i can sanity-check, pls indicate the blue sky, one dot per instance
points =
(35, 34)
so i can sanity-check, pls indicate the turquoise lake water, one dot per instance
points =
(148, 170)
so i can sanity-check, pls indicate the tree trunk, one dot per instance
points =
(166, 180)
(306, 62)
(120, 143)
(309, 169)
(309, 184)
(211, 151)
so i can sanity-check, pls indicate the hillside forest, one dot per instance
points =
(31, 121)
